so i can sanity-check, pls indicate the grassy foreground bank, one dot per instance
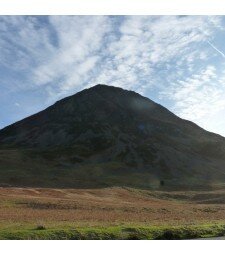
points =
(115, 233)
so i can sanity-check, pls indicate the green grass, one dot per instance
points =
(115, 233)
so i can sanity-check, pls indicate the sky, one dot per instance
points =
(177, 61)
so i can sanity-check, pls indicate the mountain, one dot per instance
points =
(106, 136)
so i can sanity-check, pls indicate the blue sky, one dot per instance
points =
(177, 61)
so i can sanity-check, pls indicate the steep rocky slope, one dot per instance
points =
(107, 136)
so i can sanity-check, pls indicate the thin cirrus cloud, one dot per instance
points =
(175, 60)
(199, 97)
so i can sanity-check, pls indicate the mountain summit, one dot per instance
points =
(107, 136)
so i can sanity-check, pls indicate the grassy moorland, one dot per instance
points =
(110, 213)
(115, 233)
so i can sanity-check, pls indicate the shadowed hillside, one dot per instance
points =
(106, 136)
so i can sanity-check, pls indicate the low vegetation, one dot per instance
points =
(124, 233)
(110, 213)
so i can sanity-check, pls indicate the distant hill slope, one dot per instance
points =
(107, 136)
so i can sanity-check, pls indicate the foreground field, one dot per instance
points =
(112, 213)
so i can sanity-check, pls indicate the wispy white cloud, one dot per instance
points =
(147, 46)
(79, 45)
(17, 104)
(169, 56)
(74, 51)
(200, 98)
